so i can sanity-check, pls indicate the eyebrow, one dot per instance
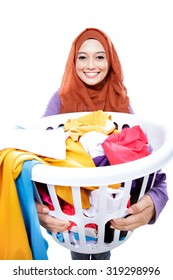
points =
(96, 52)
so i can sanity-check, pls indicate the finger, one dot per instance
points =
(133, 221)
(142, 204)
(126, 224)
(41, 208)
(53, 224)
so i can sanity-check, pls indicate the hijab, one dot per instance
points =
(110, 95)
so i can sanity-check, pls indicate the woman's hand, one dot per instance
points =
(139, 213)
(50, 223)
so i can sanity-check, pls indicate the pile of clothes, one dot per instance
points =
(92, 140)
(95, 137)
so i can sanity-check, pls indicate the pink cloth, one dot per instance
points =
(128, 145)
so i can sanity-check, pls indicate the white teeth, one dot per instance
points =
(91, 74)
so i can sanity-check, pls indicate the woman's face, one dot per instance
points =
(91, 62)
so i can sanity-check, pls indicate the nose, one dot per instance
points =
(91, 64)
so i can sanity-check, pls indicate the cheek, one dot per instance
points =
(104, 66)
(79, 65)
(79, 68)
(79, 71)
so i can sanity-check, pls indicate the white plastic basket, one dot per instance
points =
(160, 140)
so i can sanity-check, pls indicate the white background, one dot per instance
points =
(35, 39)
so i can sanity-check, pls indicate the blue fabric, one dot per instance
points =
(25, 189)
(88, 238)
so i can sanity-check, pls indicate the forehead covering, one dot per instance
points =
(110, 96)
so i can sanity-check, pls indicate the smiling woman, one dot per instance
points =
(35, 40)
(91, 63)
(107, 92)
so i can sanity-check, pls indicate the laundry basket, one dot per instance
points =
(142, 171)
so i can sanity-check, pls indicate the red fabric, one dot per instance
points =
(70, 210)
(44, 195)
(128, 145)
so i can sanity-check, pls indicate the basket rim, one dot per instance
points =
(107, 174)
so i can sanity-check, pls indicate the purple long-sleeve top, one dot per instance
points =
(158, 192)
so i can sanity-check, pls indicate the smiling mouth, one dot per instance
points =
(91, 74)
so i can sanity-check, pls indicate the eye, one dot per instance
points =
(100, 57)
(81, 57)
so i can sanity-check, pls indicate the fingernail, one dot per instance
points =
(45, 210)
(130, 211)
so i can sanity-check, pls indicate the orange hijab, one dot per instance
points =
(76, 96)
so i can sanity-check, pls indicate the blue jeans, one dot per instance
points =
(100, 256)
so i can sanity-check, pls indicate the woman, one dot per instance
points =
(93, 80)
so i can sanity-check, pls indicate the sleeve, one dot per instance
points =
(53, 106)
(158, 194)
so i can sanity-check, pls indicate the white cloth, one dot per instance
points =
(91, 141)
(48, 143)
(114, 198)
